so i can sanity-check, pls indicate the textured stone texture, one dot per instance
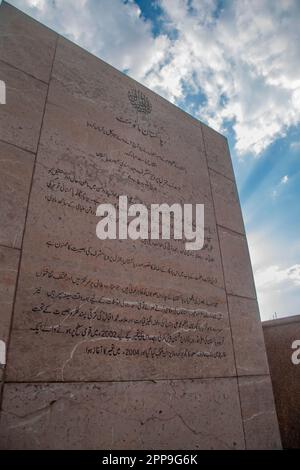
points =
(279, 337)
(236, 262)
(144, 415)
(9, 259)
(72, 153)
(21, 116)
(247, 336)
(15, 179)
(113, 322)
(25, 43)
(259, 415)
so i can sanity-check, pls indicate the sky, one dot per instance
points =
(234, 65)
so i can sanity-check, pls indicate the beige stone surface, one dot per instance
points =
(197, 302)
(164, 312)
(190, 414)
(247, 336)
(79, 81)
(226, 202)
(15, 180)
(119, 344)
(9, 259)
(280, 335)
(25, 43)
(21, 116)
(259, 415)
(217, 151)
(236, 263)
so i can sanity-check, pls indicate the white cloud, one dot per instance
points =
(111, 29)
(278, 290)
(283, 181)
(272, 277)
(276, 274)
(295, 146)
(244, 59)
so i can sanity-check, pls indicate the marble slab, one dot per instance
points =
(184, 318)
(236, 262)
(21, 116)
(217, 151)
(15, 181)
(226, 202)
(118, 344)
(185, 414)
(259, 414)
(248, 339)
(25, 43)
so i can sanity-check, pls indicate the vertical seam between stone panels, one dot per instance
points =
(25, 224)
(242, 414)
(223, 272)
(239, 202)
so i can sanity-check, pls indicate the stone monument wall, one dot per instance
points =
(118, 343)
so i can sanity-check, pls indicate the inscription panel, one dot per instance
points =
(117, 309)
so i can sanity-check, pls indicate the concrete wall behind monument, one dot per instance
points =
(118, 344)
(281, 337)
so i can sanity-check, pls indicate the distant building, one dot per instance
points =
(282, 339)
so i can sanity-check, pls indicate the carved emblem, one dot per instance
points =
(139, 101)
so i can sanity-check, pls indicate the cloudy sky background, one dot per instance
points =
(236, 66)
